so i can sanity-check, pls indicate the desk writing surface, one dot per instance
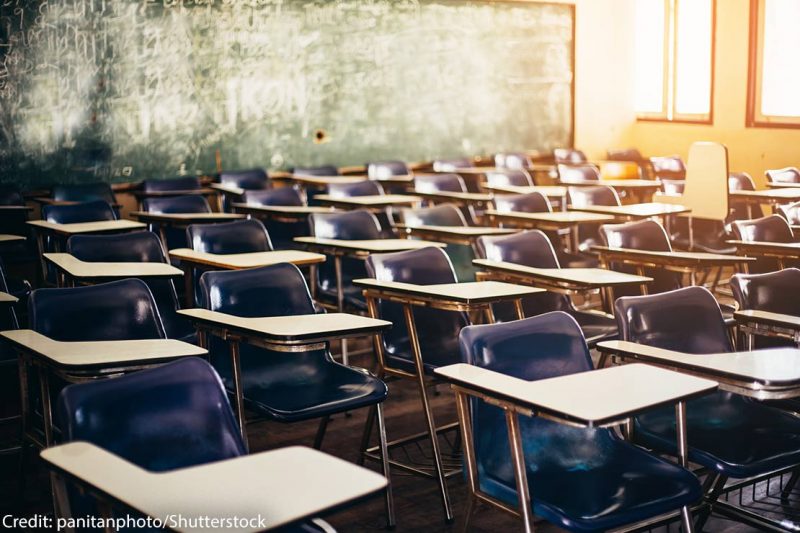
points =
(100, 353)
(590, 277)
(88, 227)
(498, 170)
(247, 260)
(770, 367)
(768, 318)
(557, 217)
(370, 245)
(787, 249)
(371, 200)
(283, 209)
(83, 269)
(198, 218)
(782, 185)
(592, 398)
(645, 210)
(461, 231)
(472, 292)
(789, 194)
(451, 195)
(326, 180)
(227, 188)
(291, 328)
(670, 257)
(6, 237)
(280, 486)
(547, 190)
(617, 184)
(6, 298)
(177, 192)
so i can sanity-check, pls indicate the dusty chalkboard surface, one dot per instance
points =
(123, 90)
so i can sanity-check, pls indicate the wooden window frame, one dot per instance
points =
(754, 118)
(668, 114)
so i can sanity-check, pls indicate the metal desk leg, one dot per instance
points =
(574, 241)
(337, 264)
(462, 404)
(188, 284)
(47, 408)
(238, 386)
(683, 457)
(520, 474)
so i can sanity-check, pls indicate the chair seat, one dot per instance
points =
(295, 392)
(728, 433)
(596, 327)
(594, 481)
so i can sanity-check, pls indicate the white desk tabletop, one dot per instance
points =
(450, 195)
(788, 194)
(100, 353)
(369, 245)
(280, 486)
(459, 231)
(562, 217)
(779, 249)
(88, 227)
(226, 188)
(283, 209)
(592, 398)
(588, 277)
(292, 328)
(6, 298)
(777, 367)
(370, 201)
(469, 292)
(84, 270)
(325, 180)
(673, 257)
(552, 191)
(645, 210)
(617, 184)
(186, 218)
(783, 185)
(247, 260)
(5, 237)
(767, 318)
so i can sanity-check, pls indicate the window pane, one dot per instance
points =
(693, 57)
(781, 62)
(649, 56)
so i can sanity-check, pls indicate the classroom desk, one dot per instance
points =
(782, 185)
(564, 280)
(42, 228)
(280, 486)
(7, 299)
(552, 192)
(191, 259)
(465, 235)
(71, 269)
(280, 213)
(776, 250)
(639, 190)
(599, 398)
(676, 261)
(75, 362)
(784, 195)
(8, 238)
(141, 195)
(636, 211)
(477, 199)
(182, 220)
(556, 221)
(374, 202)
(322, 182)
(297, 333)
(753, 322)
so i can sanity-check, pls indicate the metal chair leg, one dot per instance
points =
(468, 512)
(715, 488)
(323, 426)
(390, 518)
(367, 435)
(787, 490)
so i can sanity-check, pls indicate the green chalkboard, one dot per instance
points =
(124, 90)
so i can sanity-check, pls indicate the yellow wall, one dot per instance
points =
(604, 95)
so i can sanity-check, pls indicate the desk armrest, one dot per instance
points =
(634, 349)
(753, 316)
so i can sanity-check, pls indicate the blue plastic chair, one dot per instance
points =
(175, 237)
(138, 247)
(378, 170)
(518, 177)
(184, 183)
(771, 228)
(84, 192)
(452, 164)
(569, 155)
(581, 479)
(282, 232)
(321, 170)
(579, 172)
(280, 386)
(445, 215)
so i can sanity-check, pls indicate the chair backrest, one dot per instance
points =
(251, 179)
(439, 215)
(274, 290)
(771, 228)
(706, 189)
(790, 212)
(237, 237)
(530, 248)
(775, 292)
(670, 166)
(378, 170)
(94, 211)
(177, 204)
(349, 225)
(639, 235)
(741, 181)
(450, 165)
(581, 172)
(513, 160)
(517, 177)
(687, 320)
(279, 196)
(173, 416)
(359, 188)
(624, 154)
(589, 196)
(322, 170)
(569, 156)
(534, 202)
(439, 183)
(184, 183)
(84, 192)
(119, 310)
(134, 247)
(784, 175)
